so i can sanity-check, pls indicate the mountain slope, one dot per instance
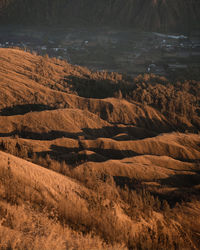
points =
(159, 15)
(31, 90)
(43, 84)
(50, 201)
(31, 197)
(86, 164)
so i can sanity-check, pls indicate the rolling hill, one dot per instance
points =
(96, 160)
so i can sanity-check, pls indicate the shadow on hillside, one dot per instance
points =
(184, 188)
(113, 153)
(124, 181)
(178, 181)
(155, 124)
(92, 88)
(184, 185)
(52, 135)
(114, 132)
(77, 155)
(23, 109)
(120, 133)
(71, 156)
(181, 180)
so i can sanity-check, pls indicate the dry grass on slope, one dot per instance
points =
(22, 84)
(62, 120)
(37, 188)
(24, 228)
(140, 168)
(37, 204)
(43, 183)
(24, 183)
(176, 145)
(88, 200)
(168, 160)
(145, 159)
(24, 88)
(132, 218)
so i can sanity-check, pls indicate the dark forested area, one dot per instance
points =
(159, 15)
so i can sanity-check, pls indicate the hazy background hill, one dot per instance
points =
(156, 15)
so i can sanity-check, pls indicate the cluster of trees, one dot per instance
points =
(172, 99)
(152, 15)
(176, 99)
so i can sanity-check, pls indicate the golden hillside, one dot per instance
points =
(99, 170)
